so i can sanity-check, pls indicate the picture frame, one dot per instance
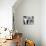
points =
(28, 20)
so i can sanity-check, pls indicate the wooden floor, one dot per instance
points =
(9, 43)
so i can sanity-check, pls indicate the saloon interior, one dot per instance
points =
(22, 22)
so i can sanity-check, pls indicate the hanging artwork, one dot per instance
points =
(27, 20)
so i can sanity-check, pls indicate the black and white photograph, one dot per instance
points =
(22, 22)
(28, 20)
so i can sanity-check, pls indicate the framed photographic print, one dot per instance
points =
(28, 20)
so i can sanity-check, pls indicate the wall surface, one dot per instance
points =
(6, 18)
(43, 22)
(6, 13)
(29, 8)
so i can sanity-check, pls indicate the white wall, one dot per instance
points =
(6, 18)
(43, 22)
(29, 8)
(6, 13)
